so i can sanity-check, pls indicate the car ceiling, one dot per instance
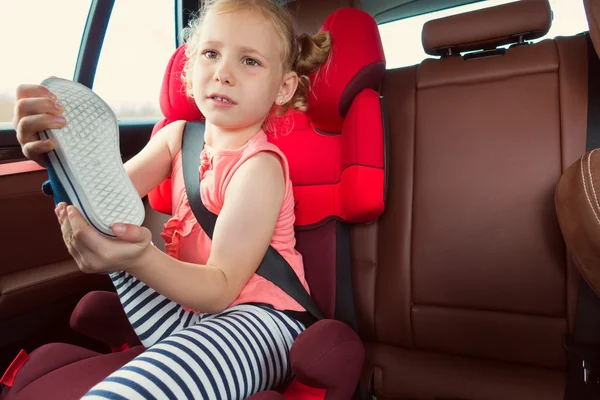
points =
(391, 10)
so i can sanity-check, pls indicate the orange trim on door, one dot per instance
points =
(19, 167)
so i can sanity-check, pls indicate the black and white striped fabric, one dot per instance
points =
(230, 355)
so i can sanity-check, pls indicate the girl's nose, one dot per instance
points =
(224, 75)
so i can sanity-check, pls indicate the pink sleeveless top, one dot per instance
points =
(186, 241)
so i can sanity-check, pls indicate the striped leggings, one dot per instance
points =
(230, 355)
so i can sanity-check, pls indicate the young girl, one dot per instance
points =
(212, 328)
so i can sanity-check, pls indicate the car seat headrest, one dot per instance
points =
(487, 28)
(174, 103)
(357, 62)
(579, 215)
(336, 149)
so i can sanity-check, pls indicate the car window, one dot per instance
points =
(402, 39)
(39, 38)
(139, 41)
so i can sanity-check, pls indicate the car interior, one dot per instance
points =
(460, 283)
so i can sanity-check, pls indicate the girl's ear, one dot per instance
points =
(288, 88)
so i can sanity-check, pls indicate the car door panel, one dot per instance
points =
(40, 283)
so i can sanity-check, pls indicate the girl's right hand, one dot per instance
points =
(36, 110)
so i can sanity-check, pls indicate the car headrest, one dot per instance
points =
(592, 12)
(174, 103)
(487, 28)
(357, 62)
(578, 213)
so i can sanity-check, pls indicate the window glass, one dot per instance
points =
(39, 38)
(139, 41)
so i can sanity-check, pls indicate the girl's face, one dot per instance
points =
(238, 73)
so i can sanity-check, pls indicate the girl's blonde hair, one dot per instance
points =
(302, 54)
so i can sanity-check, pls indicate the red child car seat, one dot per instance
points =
(336, 154)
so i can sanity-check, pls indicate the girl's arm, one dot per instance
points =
(241, 237)
(152, 164)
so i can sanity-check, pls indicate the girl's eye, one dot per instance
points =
(210, 54)
(251, 62)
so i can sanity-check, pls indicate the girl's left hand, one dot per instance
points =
(95, 253)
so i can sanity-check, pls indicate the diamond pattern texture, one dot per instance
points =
(89, 142)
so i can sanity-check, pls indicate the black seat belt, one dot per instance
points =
(583, 345)
(273, 267)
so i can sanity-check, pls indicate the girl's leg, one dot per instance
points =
(230, 355)
(152, 315)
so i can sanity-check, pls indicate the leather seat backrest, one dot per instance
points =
(466, 274)
(335, 151)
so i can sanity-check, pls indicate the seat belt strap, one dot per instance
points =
(344, 296)
(273, 267)
(583, 345)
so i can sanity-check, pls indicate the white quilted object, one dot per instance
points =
(87, 158)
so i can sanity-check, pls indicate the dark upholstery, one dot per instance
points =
(60, 371)
(100, 316)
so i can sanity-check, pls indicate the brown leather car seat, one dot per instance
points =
(578, 191)
(464, 288)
